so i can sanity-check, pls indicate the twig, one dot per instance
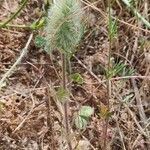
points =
(15, 14)
(89, 142)
(120, 78)
(121, 21)
(137, 13)
(128, 77)
(121, 135)
(15, 26)
(135, 120)
(91, 73)
(24, 52)
(119, 130)
(133, 116)
(135, 142)
(139, 102)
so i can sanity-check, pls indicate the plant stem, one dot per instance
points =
(108, 78)
(15, 26)
(15, 14)
(66, 121)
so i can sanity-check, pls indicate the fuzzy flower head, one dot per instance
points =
(64, 28)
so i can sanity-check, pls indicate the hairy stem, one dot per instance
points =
(66, 121)
(108, 79)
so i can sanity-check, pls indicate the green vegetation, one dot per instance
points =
(82, 117)
(74, 74)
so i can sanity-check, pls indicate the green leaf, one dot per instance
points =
(38, 24)
(62, 94)
(112, 28)
(39, 41)
(86, 111)
(82, 117)
(80, 122)
(76, 77)
(120, 69)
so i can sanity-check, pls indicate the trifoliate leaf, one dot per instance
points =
(80, 122)
(86, 111)
(82, 117)
(76, 77)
